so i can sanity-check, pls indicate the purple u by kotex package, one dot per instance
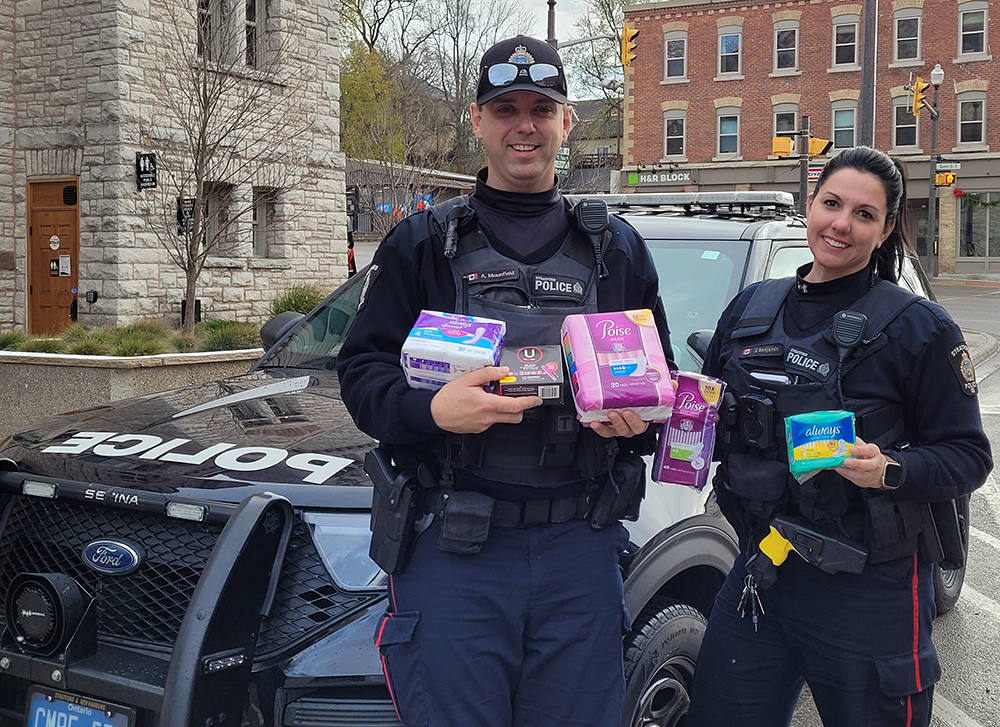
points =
(684, 448)
(443, 346)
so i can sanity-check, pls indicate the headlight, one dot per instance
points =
(342, 540)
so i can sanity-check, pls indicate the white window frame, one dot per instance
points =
(668, 38)
(731, 30)
(964, 9)
(841, 106)
(913, 148)
(785, 26)
(727, 112)
(905, 15)
(840, 22)
(674, 115)
(969, 97)
(785, 108)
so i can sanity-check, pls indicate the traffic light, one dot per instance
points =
(945, 179)
(628, 44)
(819, 147)
(920, 87)
(782, 146)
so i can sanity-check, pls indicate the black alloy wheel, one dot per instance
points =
(948, 583)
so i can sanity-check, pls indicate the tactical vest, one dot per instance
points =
(772, 376)
(548, 449)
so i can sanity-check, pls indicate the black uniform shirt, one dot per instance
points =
(922, 368)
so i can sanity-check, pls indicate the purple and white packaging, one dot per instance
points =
(684, 449)
(443, 346)
(615, 361)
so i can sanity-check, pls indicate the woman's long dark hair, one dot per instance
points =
(887, 260)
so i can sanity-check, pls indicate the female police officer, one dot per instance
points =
(854, 620)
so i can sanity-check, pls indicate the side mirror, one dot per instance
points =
(272, 331)
(697, 345)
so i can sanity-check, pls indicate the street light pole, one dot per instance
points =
(937, 78)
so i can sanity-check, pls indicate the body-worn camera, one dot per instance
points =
(756, 418)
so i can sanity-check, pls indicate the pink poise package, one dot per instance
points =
(616, 361)
(684, 449)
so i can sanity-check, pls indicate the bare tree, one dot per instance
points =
(598, 61)
(229, 120)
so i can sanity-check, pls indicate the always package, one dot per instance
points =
(443, 346)
(616, 361)
(685, 444)
(534, 371)
(818, 440)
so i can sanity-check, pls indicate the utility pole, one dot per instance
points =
(551, 40)
(937, 78)
(866, 101)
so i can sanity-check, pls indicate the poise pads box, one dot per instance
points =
(443, 346)
(616, 361)
(684, 448)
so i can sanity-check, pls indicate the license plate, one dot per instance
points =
(51, 708)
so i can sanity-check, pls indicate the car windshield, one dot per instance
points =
(316, 343)
(697, 280)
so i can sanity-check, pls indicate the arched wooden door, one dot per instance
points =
(53, 254)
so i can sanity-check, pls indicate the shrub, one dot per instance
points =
(230, 336)
(138, 343)
(12, 340)
(90, 345)
(42, 345)
(183, 343)
(301, 298)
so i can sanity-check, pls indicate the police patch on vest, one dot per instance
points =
(556, 285)
(808, 363)
(961, 362)
(770, 349)
(493, 276)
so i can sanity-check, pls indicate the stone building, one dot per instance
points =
(88, 85)
(715, 80)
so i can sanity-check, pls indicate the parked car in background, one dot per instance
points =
(200, 556)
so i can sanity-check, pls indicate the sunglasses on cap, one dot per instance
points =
(543, 75)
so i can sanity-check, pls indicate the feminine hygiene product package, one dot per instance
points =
(615, 361)
(443, 346)
(684, 448)
(818, 440)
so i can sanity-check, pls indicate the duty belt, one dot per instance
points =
(507, 514)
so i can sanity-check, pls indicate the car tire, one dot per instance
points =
(948, 583)
(660, 656)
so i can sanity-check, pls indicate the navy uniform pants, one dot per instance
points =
(861, 642)
(525, 633)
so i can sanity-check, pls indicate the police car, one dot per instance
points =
(200, 556)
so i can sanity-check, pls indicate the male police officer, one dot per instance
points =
(510, 611)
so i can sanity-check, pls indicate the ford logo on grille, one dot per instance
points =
(111, 556)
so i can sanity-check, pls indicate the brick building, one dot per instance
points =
(714, 81)
(81, 82)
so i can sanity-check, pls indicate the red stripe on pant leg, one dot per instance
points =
(392, 696)
(909, 711)
(916, 624)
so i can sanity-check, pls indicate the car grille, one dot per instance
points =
(146, 607)
(318, 712)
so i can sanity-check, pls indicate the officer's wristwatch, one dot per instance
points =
(890, 475)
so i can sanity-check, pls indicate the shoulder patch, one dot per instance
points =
(373, 272)
(961, 364)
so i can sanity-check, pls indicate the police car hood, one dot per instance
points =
(284, 431)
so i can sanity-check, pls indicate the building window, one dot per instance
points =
(971, 120)
(729, 133)
(673, 133)
(215, 226)
(972, 24)
(907, 46)
(786, 45)
(844, 120)
(263, 220)
(786, 120)
(729, 51)
(256, 22)
(209, 27)
(979, 225)
(675, 54)
(904, 126)
(845, 44)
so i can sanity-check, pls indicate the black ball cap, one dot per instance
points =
(521, 51)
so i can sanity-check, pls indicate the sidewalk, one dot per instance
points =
(981, 345)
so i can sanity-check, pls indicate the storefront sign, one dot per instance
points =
(650, 178)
